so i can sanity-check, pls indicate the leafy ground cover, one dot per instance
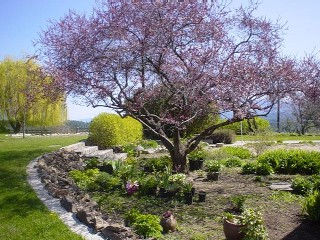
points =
(22, 214)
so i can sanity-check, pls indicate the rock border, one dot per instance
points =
(53, 204)
(48, 176)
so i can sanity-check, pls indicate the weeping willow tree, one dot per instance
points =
(24, 97)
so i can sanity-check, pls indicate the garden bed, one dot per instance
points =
(136, 183)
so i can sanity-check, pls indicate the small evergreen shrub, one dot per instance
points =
(108, 130)
(233, 162)
(249, 168)
(311, 206)
(239, 152)
(222, 136)
(264, 169)
(302, 185)
(107, 182)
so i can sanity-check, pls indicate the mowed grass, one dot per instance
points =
(22, 215)
(277, 137)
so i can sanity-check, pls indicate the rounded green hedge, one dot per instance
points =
(108, 130)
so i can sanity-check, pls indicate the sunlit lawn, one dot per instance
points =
(22, 215)
(277, 137)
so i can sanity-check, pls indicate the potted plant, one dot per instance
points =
(196, 159)
(233, 227)
(188, 193)
(248, 225)
(213, 168)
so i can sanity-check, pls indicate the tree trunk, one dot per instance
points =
(178, 154)
(179, 160)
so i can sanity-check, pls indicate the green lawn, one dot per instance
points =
(22, 215)
(277, 137)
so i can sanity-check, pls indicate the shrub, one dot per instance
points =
(239, 152)
(159, 164)
(292, 161)
(233, 162)
(86, 179)
(262, 125)
(130, 149)
(302, 185)
(311, 206)
(108, 130)
(264, 169)
(249, 168)
(212, 166)
(145, 225)
(222, 136)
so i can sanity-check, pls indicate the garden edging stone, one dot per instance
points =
(48, 176)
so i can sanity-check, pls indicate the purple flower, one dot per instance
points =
(132, 187)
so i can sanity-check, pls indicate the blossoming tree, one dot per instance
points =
(167, 63)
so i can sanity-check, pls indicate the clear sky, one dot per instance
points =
(22, 20)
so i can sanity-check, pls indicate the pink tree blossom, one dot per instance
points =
(187, 56)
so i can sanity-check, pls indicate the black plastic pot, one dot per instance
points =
(188, 197)
(163, 193)
(193, 191)
(195, 164)
(214, 176)
(106, 168)
(202, 196)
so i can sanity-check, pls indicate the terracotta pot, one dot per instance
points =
(214, 176)
(195, 164)
(232, 231)
(168, 224)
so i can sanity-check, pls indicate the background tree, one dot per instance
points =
(23, 96)
(188, 55)
(306, 103)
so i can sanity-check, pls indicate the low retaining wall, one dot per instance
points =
(48, 176)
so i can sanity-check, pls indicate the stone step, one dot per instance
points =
(75, 146)
(119, 156)
(108, 153)
(86, 150)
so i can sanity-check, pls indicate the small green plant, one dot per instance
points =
(254, 226)
(249, 168)
(258, 179)
(148, 184)
(233, 162)
(107, 182)
(212, 166)
(264, 169)
(130, 149)
(159, 164)
(92, 163)
(148, 143)
(131, 216)
(147, 225)
(86, 179)
(238, 202)
(302, 185)
(196, 155)
(311, 206)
